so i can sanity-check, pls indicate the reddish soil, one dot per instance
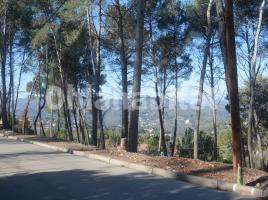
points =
(213, 170)
(200, 168)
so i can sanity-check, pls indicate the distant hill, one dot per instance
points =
(186, 116)
(148, 114)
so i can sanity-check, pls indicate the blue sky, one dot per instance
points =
(187, 92)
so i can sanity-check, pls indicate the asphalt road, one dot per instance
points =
(29, 172)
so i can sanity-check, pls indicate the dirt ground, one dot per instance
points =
(213, 170)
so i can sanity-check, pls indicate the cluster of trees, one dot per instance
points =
(67, 42)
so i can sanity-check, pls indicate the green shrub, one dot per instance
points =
(153, 145)
(225, 146)
(206, 146)
(60, 134)
(151, 140)
(112, 137)
(186, 144)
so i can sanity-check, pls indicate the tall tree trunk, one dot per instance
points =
(94, 133)
(101, 139)
(249, 136)
(252, 81)
(13, 116)
(162, 139)
(19, 83)
(75, 119)
(10, 103)
(58, 124)
(157, 97)
(67, 128)
(123, 60)
(83, 127)
(83, 130)
(67, 116)
(39, 103)
(201, 82)
(233, 91)
(160, 114)
(213, 104)
(175, 111)
(82, 122)
(98, 75)
(134, 116)
(261, 155)
(26, 109)
(250, 123)
(3, 70)
(52, 130)
(214, 115)
(222, 36)
(51, 122)
(42, 105)
(75, 99)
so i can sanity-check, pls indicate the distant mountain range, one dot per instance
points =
(148, 114)
(186, 116)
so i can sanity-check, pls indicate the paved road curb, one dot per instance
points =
(205, 182)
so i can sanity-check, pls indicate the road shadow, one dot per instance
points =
(83, 185)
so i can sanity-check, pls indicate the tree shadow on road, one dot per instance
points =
(83, 185)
